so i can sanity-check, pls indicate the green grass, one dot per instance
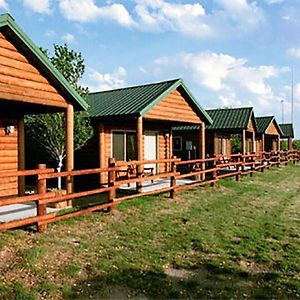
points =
(240, 240)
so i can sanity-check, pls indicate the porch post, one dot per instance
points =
(263, 142)
(171, 143)
(253, 142)
(216, 150)
(102, 161)
(290, 143)
(244, 142)
(202, 146)
(21, 155)
(69, 146)
(278, 142)
(139, 133)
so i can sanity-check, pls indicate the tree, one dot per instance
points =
(48, 130)
(236, 143)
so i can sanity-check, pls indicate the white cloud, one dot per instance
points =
(3, 4)
(68, 37)
(273, 1)
(229, 80)
(157, 15)
(294, 52)
(106, 81)
(87, 11)
(237, 14)
(39, 6)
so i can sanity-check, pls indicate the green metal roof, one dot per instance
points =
(263, 123)
(226, 119)
(138, 100)
(287, 130)
(230, 118)
(7, 21)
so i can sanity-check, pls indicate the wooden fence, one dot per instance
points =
(200, 172)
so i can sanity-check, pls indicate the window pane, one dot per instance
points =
(219, 146)
(131, 149)
(118, 145)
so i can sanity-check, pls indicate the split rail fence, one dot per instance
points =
(200, 172)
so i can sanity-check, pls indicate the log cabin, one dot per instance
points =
(29, 84)
(287, 134)
(268, 134)
(218, 135)
(135, 123)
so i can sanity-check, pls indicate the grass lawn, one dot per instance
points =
(240, 240)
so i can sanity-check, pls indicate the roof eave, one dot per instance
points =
(7, 20)
(168, 91)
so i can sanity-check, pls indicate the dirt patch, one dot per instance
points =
(199, 274)
(253, 268)
(7, 258)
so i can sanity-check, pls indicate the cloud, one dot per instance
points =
(106, 81)
(87, 11)
(273, 1)
(160, 15)
(237, 15)
(227, 19)
(228, 80)
(294, 52)
(3, 4)
(39, 6)
(68, 37)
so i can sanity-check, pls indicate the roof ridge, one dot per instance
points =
(136, 86)
(234, 108)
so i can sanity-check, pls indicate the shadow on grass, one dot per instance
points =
(204, 282)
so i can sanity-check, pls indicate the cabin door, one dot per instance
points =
(151, 147)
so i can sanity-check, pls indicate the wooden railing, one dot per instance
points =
(199, 172)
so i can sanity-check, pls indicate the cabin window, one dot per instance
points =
(124, 145)
(219, 145)
(249, 146)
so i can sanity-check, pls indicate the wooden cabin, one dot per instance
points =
(268, 134)
(135, 123)
(226, 123)
(29, 84)
(287, 134)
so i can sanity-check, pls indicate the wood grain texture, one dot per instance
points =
(174, 107)
(22, 81)
(8, 157)
(273, 129)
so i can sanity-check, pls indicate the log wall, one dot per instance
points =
(173, 107)
(21, 81)
(8, 157)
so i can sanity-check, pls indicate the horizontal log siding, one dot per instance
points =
(259, 145)
(173, 108)
(273, 130)
(21, 81)
(8, 157)
(251, 125)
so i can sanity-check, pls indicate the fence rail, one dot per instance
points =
(200, 172)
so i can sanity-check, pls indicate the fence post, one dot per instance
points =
(252, 165)
(238, 175)
(263, 156)
(173, 178)
(41, 208)
(111, 182)
(214, 172)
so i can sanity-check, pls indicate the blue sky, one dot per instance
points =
(230, 53)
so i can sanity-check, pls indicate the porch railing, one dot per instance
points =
(182, 175)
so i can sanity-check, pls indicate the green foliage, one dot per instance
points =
(283, 144)
(236, 143)
(296, 144)
(47, 131)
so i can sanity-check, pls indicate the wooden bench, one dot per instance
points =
(132, 172)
